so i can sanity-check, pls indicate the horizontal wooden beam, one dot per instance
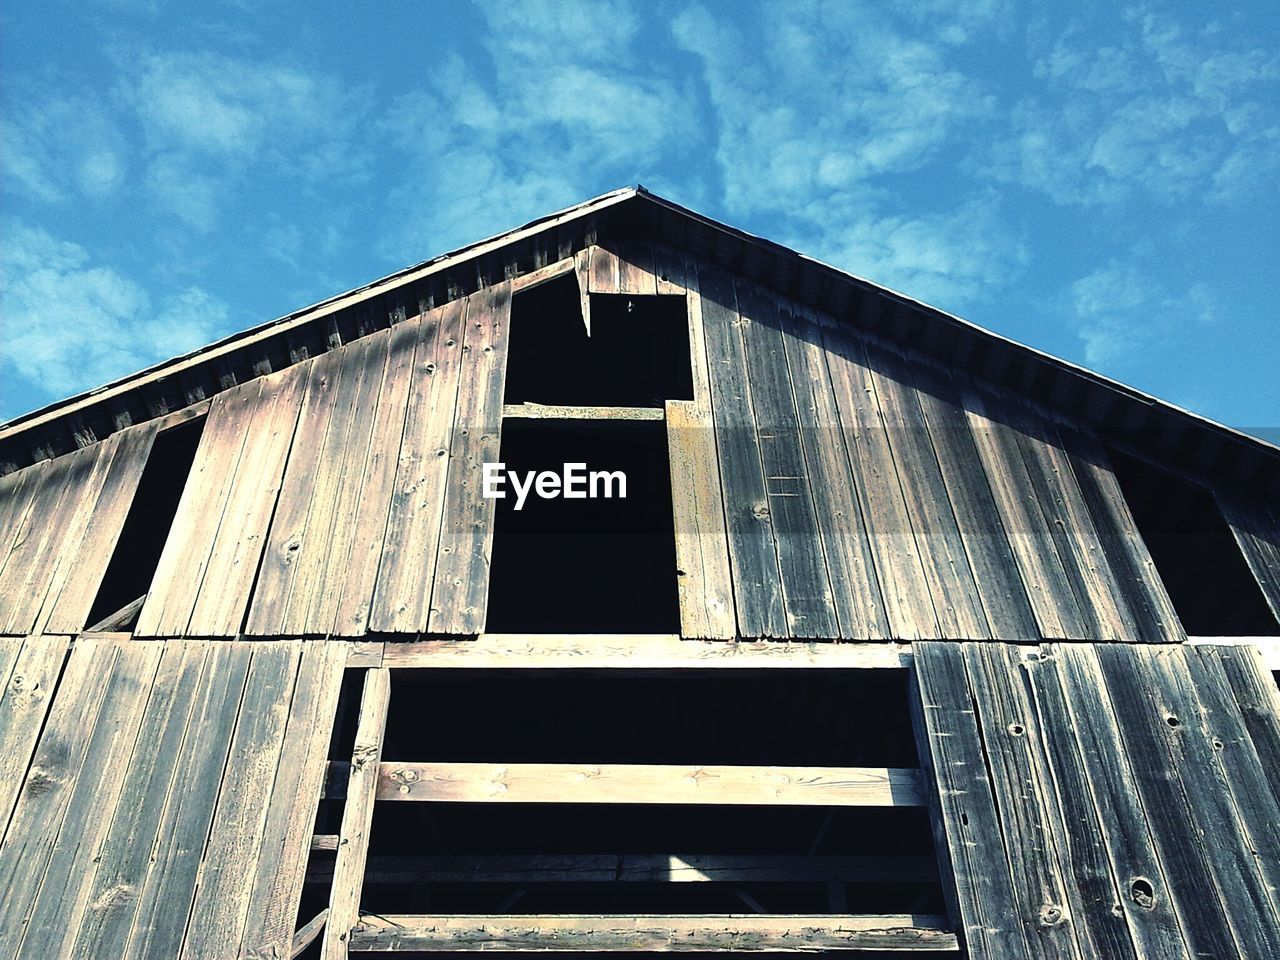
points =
(642, 783)
(640, 868)
(639, 652)
(539, 411)
(663, 934)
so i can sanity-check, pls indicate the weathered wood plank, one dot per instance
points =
(155, 928)
(650, 783)
(641, 868)
(69, 608)
(357, 815)
(64, 889)
(620, 652)
(225, 880)
(1123, 906)
(956, 599)
(461, 586)
(1052, 600)
(582, 268)
(636, 269)
(540, 276)
(906, 590)
(29, 670)
(806, 586)
(967, 824)
(406, 570)
(753, 556)
(287, 556)
(600, 933)
(16, 491)
(180, 570)
(1216, 886)
(1030, 821)
(286, 839)
(1256, 527)
(855, 587)
(125, 855)
(669, 268)
(336, 505)
(1136, 578)
(541, 411)
(360, 518)
(981, 528)
(1256, 695)
(1105, 614)
(49, 784)
(220, 607)
(603, 272)
(703, 575)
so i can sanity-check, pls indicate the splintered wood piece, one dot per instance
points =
(663, 933)
(357, 815)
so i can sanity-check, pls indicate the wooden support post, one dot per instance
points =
(353, 841)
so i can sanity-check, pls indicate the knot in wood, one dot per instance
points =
(1051, 915)
(1142, 893)
(363, 755)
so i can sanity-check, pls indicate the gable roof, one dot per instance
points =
(1174, 435)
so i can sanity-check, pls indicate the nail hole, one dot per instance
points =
(1142, 893)
(1017, 729)
(1172, 721)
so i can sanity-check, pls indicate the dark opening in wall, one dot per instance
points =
(591, 565)
(637, 353)
(530, 858)
(133, 563)
(1195, 553)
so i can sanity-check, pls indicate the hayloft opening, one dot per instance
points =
(635, 355)
(496, 857)
(592, 565)
(137, 553)
(1195, 552)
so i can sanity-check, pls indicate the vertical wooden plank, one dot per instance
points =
(49, 784)
(321, 563)
(165, 894)
(956, 600)
(402, 596)
(69, 528)
(355, 568)
(1218, 889)
(906, 590)
(1258, 698)
(635, 269)
(995, 569)
(16, 491)
(668, 267)
(1256, 527)
(33, 557)
(1136, 577)
(703, 578)
(855, 587)
(1125, 908)
(806, 587)
(582, 268)
(603, 276)
(185, 557)
(287, 542)
(126, 851)
(1029, 824)
(752, 552)
(1105, 615)
(69, 609)
(970, 840)
(461, 585)
(357, 815)
(286, 844)
(1054, 604)
(63, 891)
(29, 670)
(220, 606)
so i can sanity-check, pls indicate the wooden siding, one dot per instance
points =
(59, 523)
(1128, 789)
(1256, 526)
(159, 798)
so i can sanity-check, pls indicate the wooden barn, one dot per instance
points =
(904, 637)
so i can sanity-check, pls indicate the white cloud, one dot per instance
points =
(57, 148)
(70, 324)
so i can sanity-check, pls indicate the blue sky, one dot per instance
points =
(1096, 180)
